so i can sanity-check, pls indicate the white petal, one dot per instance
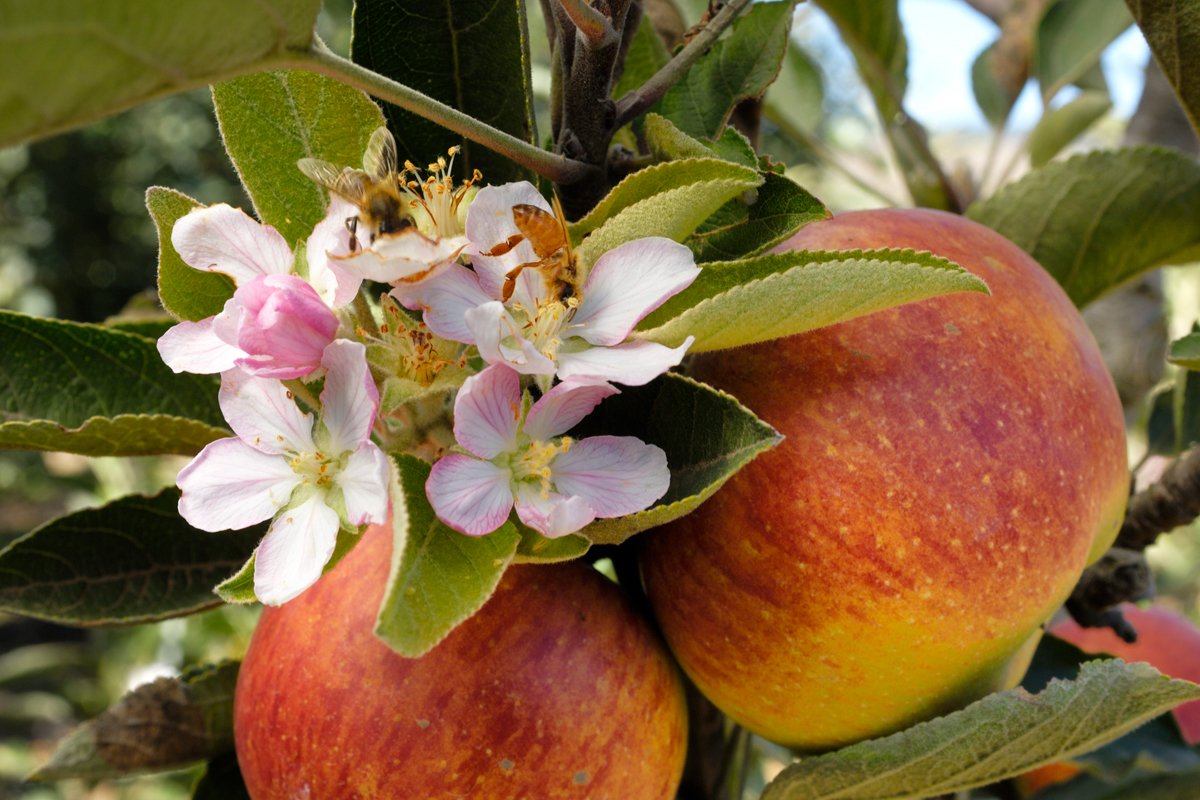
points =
(446, 298)
(553, 515)
(405, 256)
(195, 347)
(492, 326)
(561, 408)
(263, 414)
(490, 222)
(364, 485)
(295, 550)
(487, 412)
(230, 486)
(471, 496)
(617, 475)
(336, 286)
(627, 283)
(350, 399)
(631, 363)
(224, 239)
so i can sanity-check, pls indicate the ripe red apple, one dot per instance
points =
(949, 468)
(555, 689)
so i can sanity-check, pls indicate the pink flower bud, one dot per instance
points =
(283, 327)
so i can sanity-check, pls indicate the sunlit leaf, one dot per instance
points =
(188, 293)
(1071, 37)
(780, 207)
(1060, 126)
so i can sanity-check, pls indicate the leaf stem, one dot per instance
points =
(596, 28)
(320, 59)
(638, 100)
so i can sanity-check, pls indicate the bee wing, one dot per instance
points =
(345, 182)
(380, 158)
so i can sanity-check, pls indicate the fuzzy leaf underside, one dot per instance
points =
(1099, 219)
(271, 120)
(1000, 736)
(70, 63)
(134, 560)
(741, 302)
(189, 294)
(165, 724)
(706, 434)
(439, 577)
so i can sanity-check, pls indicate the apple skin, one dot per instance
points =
(949, 468)
(555, 689)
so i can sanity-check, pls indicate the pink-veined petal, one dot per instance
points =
(224, 239)
(493, 329)
(617, 475)
(471, 496)
(490, 223)
(195, 347)
(331, 237)
(294, 551)
(487, 411)
(627, 283)
(350, 399)
(230, 486)
(631, 363)
(446, 298)
(263, 414)
(364, 485)
(561, 408)
(554, 515)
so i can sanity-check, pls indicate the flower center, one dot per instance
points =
(437, 196)
(316, 469)
(413, 352)
(545, 327)
(534, 463)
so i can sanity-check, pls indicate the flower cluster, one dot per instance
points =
(310, 364)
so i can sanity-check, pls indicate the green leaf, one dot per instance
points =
(166, 724)
(222, 780)
(797, 97)
(674, 213)
(189, 294)
(537, 549)
(1172, 786)
(470, 54)
(1186, 405)
(1172, 30)
(645, 184)
(646, 55)
(1099, 219)
(271, 120)
(238, 588)
(1059, 127)
(707, 436)
(133, 560)
(441, 576)
(68, 63)
(995, 84)
(1000, 736)
(739, 66)
(733, 303)
(1185, 352)
(737, 230)
(98, 391)
(1071, 37)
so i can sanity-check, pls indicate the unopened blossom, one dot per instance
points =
(584, 337)
(517, 458)
(312, 479)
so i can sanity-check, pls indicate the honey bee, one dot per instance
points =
(547, 234)
(374, 190)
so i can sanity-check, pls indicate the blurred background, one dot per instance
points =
(76, 243)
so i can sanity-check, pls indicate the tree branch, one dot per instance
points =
(596, 29)
(322, 60)
(649, 93)
(1173, 500)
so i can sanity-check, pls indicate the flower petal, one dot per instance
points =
(331, 237)
(553, 515)
(446, 298)
(405, 256)
(224, 239)
(627, 283)
(350, 399)
(230, 486)
(487, 412)
(491, 325)
(617, 475)
(471, 496)
(490, 223)
(364, 485)
(195, 347)
(295, 551)
(561, 408)
(632, 363)
(263, 414)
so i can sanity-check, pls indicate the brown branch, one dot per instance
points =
(1172, 501)
(591, 23)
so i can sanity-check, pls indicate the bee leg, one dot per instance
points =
(352, 226)
(505, 246)
(510, 280)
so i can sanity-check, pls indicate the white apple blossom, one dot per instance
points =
(312, 479)
(520, 458)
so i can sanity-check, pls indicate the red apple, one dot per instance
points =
(555, 689)
(949, 468)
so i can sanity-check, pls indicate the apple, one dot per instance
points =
(949, 469)
(557, 688)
